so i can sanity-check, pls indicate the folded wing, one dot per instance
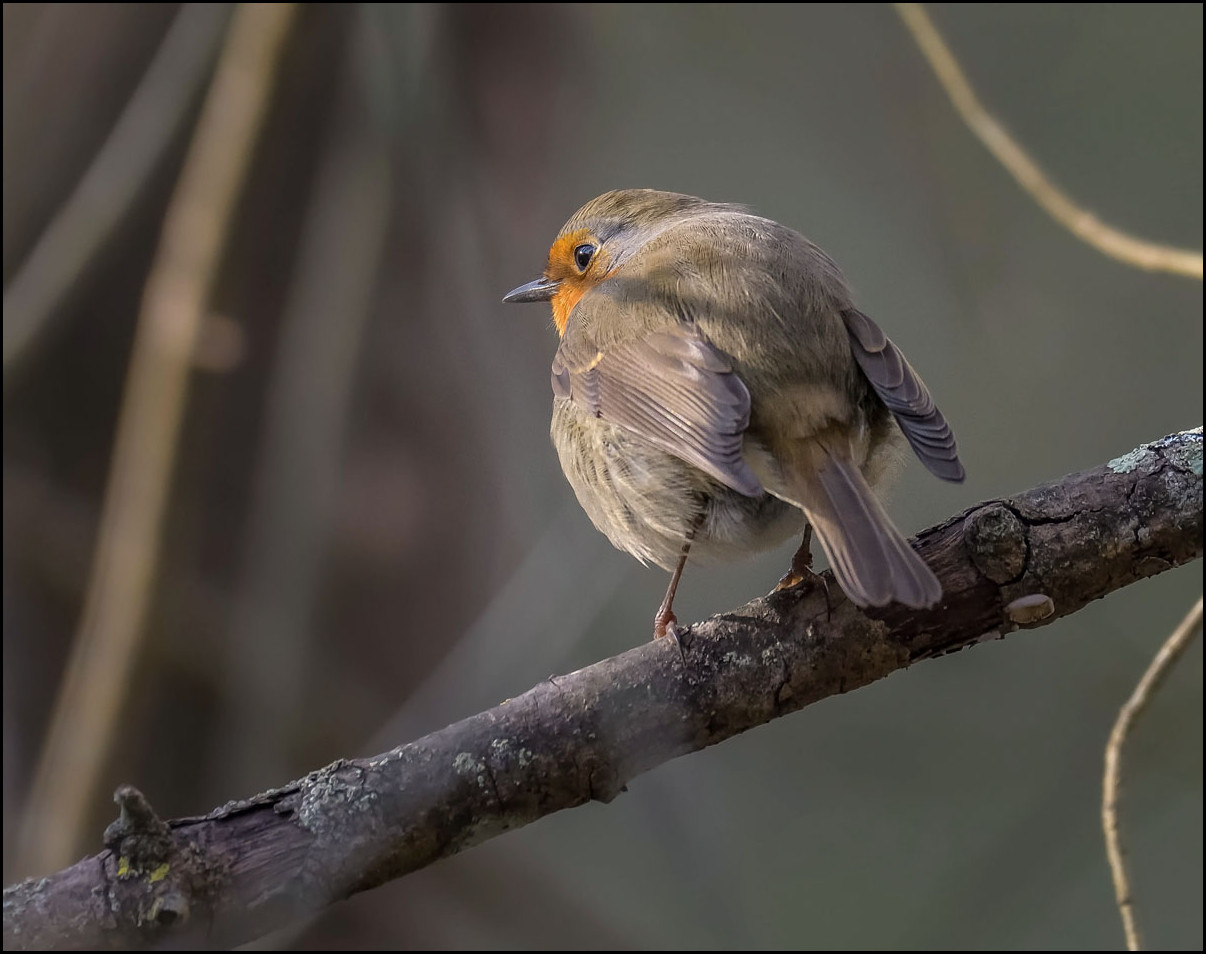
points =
(671, 387)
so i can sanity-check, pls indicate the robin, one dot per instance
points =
(715, 391)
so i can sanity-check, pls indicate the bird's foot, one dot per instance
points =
(800, 574)
(665, 626)
(792, 578)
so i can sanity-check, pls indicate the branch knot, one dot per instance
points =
(140, 838)
(996, 542)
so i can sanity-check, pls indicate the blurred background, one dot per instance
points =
(367, 535)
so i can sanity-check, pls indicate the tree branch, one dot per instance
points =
(252, 866)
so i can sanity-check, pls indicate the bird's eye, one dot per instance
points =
(582, 256)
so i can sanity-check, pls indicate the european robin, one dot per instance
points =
(715, 391)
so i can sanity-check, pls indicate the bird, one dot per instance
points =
(716, 391)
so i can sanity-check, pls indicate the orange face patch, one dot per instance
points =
(573, 283)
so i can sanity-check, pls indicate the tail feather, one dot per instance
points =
(872, 561)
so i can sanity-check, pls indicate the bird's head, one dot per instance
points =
(598, 239)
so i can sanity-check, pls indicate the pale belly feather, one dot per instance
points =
(646, 500)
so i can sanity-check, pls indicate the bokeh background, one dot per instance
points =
(368, 536)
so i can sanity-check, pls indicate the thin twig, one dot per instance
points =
(106, 644)
(1079, 221)
(1169, 653)
(107, 190)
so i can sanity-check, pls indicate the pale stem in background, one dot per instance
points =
(1080, 222)
(107, 190)
(1132, 251)
(1169, 653)
(105, 649)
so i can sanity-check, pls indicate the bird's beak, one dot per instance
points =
(540, 290)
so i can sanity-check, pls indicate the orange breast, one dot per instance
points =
(568, 295)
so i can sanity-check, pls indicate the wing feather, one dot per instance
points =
(906, 396)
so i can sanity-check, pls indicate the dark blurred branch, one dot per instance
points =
(106, 644)
(252, 866)
(297, 467)
(106, 192)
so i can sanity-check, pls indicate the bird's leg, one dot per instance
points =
(801, 563)
(801, 569)
(664, 621)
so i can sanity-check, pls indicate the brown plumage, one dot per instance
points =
(715, 388)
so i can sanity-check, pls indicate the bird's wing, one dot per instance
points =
(671, 387)
(906, 396)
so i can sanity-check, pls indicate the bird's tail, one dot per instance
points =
(872, 561)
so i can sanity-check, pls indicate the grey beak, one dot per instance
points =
(540, 290)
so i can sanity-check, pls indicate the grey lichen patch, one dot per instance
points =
(1132, 461)
(383, 760)
(22, 898)
(505, 749)
(1183, 487)
(1183, 449)
(333, 792)
(996, 541)
(466, 765)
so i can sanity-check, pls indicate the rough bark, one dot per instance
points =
(255, 865)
